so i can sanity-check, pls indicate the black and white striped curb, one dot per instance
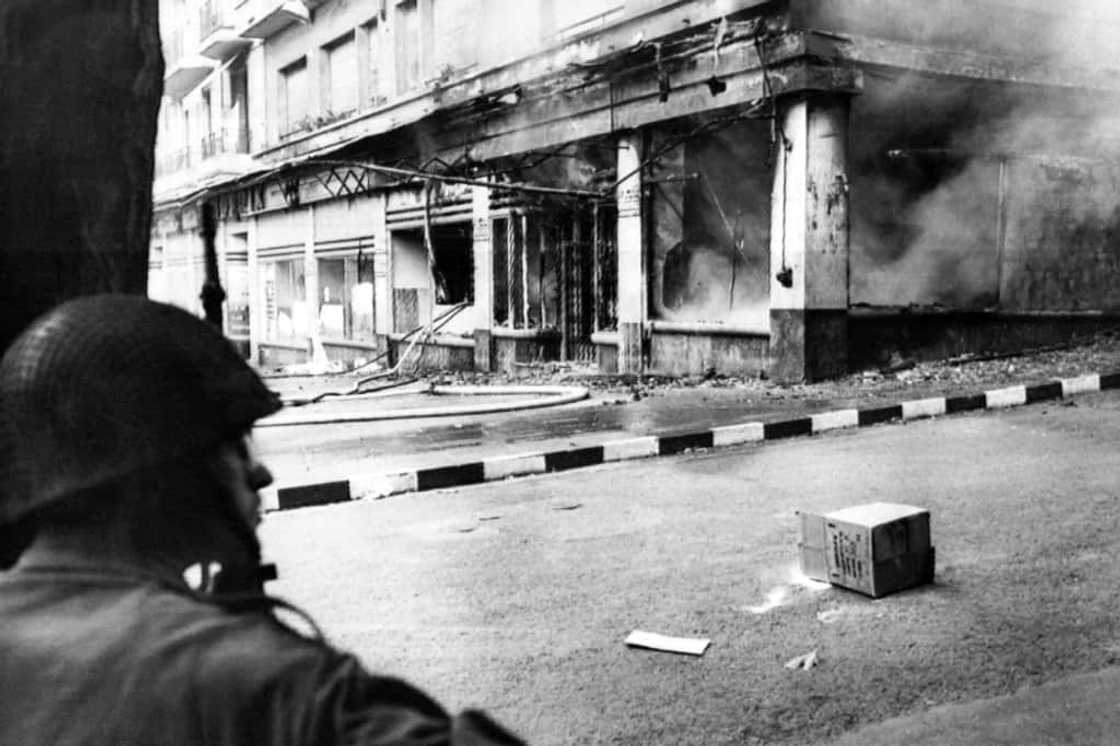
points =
(645, 446)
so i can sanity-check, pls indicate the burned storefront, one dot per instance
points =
(785, 189)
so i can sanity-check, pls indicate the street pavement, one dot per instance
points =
(324, 452)
(516, 596)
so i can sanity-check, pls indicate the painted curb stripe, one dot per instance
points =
(381, 485)
(730, 435)
(573, 459)
(1012, 396)
(450, 476)
(670, 444)
(1080, 385)
(1110, 381)
(788, 428)
(879, 415)
(313, 494)
(501, 467)
(628, 448)
(965, 403)
(1044, 391)
(912, 410)
(837, 420)
(270, 501)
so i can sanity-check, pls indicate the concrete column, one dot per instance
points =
(311, 275)
(256, 309)
(260, 113)
(483, 278)
(382, 295)
(809, 242)
(631, 254)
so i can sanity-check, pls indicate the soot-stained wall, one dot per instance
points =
(1063, 236)
(984, 197)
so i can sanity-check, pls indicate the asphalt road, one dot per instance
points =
(517, 596)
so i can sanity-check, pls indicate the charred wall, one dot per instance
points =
(984, 197)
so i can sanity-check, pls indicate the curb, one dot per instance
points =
(645, 446)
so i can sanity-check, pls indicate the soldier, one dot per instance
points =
(136, 616)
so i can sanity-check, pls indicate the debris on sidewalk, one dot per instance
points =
(798, 586)
(776, 597)
(653, 641)
(803, 662)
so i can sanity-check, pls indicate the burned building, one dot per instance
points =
(799, 188)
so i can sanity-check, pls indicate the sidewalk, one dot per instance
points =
(1081, 710)
(317, 464)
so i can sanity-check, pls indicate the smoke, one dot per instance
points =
(993, 194)
(702, 283)
(711, 229)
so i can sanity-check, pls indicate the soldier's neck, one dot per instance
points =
(111, 547)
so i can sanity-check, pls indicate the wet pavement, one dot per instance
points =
(615, 408)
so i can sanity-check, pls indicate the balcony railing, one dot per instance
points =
(224, 141)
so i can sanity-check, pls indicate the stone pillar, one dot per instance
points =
(483, 279)
(311, 278)
(631, 254)
(382, 294)
(809, 242)
(257, 318)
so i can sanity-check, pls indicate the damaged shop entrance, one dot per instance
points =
(433, 274)
(554, 279)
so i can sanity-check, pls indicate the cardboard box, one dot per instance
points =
(875, 549)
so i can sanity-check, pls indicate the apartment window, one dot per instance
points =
(346, 297)
(210, 143)
(340, 70)
(409, 46)
(293, 96)
(238, 108)
(376, 92)
(456, 26)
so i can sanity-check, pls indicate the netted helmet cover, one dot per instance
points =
(103, 385)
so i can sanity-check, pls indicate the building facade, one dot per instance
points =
(789, 188)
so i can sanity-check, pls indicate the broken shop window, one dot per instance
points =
(287, 317)
(709, 206)
(346, 300)
(424, 288)
(555, 269)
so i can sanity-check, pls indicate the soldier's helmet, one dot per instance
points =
(103, 385)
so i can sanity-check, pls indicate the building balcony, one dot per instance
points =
(184, 75)
(223, 44)
(220, 40)
(223, 142)
(273, 17)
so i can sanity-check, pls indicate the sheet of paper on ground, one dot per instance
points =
(654, 641)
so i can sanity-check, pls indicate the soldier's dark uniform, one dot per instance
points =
(102, 654)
